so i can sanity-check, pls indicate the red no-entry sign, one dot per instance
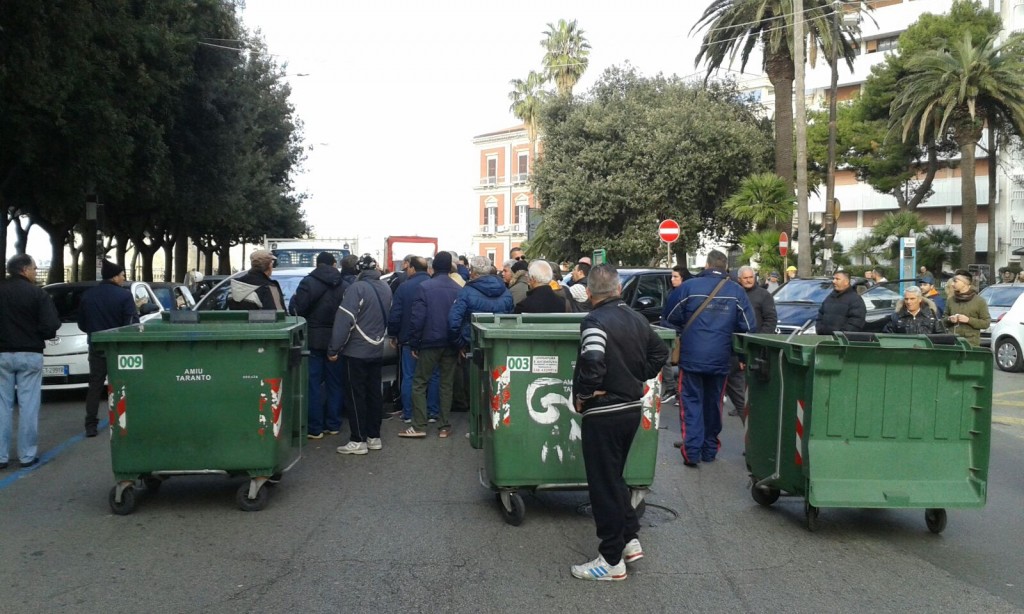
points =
(783, 244)
(668, 231)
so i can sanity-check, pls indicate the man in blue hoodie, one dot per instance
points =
(483, 293)
(431, 346)
(706, 310)
(317, 298)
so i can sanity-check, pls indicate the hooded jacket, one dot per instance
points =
(317, 299)
(255, 290)
(360, 323)
(707, 345)
(485, 294)
(926, 322)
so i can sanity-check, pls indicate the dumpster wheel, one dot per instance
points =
(810, 516)
(251, 505)
(935, 518)
(127, 503)
(515, 510)
(764, 496)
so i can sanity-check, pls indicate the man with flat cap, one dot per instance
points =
(255, 289)
(104, 306)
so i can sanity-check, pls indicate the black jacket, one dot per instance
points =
(926, 322)
(28, 316)
(543, 299)
(619, 352)
(764, 309)
(106, 306)
(317, 299)
(841, 312)
(255, 290)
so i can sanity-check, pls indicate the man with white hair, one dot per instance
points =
(541, 298)
(764, 312)
(483, 293)
(914, 315)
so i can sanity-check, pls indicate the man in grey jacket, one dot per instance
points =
(767, 318)
(359, 333)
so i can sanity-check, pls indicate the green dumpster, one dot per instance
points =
(521, 413)
(205, 393)
(870, 421)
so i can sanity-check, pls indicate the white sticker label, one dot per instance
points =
(545, 364)
(129, 362)
(517, 363)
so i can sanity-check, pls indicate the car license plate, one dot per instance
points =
(55, 371)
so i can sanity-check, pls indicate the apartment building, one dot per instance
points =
(504, 199)
(862, 207)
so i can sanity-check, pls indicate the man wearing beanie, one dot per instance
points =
(255, 289)
(431, 347)
(105, 306)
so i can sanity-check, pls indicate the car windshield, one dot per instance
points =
(217, 299)
(803, 291)
(67, 299)
(1001, 296)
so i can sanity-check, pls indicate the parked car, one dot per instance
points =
(1008, 337)
(646, 290)
(207, 283)
(66, 356)
(173, 296)
(798, 301)
(1000, 297)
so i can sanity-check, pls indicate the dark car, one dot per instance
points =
(646, 290)
(798, 301)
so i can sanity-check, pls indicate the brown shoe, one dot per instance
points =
(444, 433)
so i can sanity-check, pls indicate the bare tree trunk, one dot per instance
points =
(181, 257)
(803, 262)
(993, 152)
(969, 203)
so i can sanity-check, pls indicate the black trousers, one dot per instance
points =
(736, 386)
(362, 384)
(606, 442)
(97, 387)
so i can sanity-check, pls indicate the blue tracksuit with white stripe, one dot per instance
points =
(705, 355)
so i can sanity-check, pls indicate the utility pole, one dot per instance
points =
(803, 260)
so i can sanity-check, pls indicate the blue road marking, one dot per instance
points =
(48, 456)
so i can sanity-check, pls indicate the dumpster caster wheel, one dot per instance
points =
(764, 496)
(935, 518)
(811, 516)
(251, 505)
(152, 484)
(127, 504)
(515, 515)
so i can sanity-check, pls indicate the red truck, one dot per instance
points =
(398, 247)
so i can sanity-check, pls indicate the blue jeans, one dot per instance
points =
(22, 371)
(324, 387)
(433, 387)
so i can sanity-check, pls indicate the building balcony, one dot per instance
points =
(491, 181)
(520, 178)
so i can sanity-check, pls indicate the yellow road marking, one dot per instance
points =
(1009, 403)
(1008, 420)
(1000, 395)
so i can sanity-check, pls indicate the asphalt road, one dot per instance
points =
(411, 529)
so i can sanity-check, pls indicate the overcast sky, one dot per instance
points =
(395, 92)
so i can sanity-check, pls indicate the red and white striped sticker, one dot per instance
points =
(799, 432)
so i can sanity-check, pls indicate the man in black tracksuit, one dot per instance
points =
(618, 353)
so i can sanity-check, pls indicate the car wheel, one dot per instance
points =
(1008, 356)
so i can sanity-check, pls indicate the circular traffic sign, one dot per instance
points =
(668, 231)
(783, 244)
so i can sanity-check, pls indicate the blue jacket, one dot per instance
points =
(105, 306)
(486, 294)
(399, 320)
(429, 319)
(707, 345)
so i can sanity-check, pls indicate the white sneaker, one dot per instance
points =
(353, 447)
(633, 551)
(374, 443)
(599, 569)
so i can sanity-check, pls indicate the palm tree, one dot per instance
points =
(763, 248)
(735, 27)
(887, 232)
(527, 100)
(565, 55)
(956, 91)
(762, 199)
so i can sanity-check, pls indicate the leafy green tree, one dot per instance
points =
(637, 150)
(762, 247)
(887, 232)
(566, 55)
(736, 27)
(764, 200)
(957, 90)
